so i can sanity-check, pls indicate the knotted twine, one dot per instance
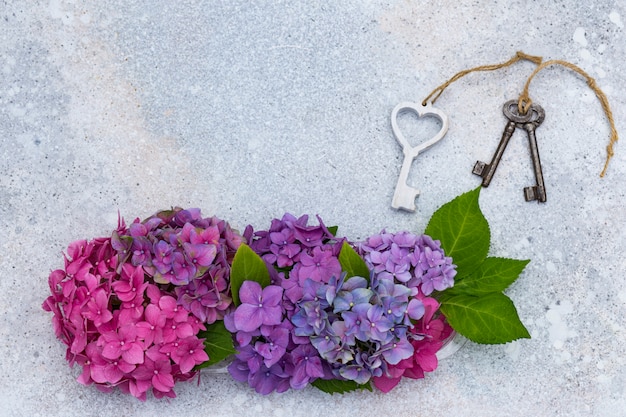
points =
(524, 102)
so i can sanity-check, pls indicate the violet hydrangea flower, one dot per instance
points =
(260, 306)
(359, 336)
(353, 328)
(185, 250)
(301, 257)
(418, 261)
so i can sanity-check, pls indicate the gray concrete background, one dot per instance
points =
(251, 109)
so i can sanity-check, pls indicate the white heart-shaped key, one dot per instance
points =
(404, 195)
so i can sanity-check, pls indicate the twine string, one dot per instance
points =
(524, 101)
(519, 56)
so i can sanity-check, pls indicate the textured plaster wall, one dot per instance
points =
(250, 109)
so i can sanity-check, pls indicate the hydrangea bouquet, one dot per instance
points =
(293, 305)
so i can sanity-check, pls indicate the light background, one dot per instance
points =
(250, 109)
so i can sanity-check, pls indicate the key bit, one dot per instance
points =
(404, 196)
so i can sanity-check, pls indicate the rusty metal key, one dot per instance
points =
(510, 110)
(538, 191)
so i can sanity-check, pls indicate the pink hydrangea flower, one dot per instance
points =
(116, 308)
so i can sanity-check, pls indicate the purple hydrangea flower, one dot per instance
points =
(378, 324)
(307, 366)
(352, 293)
(163, 256)
(310, 236)
(397, 350)
(274, 345)
(356, 321)
(270, 379)
(200, 254)
(325, 342)
(319, 266)
(358, 328)
(311, 319)
(284, 248)
(259, 306)
(141, 250)
(365, 366)
(417, 261)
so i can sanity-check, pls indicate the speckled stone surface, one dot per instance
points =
(250, 109)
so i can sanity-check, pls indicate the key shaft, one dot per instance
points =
(404, 195)
(538, 191)
(486, 171)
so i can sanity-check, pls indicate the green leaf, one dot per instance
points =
(218, 344)
(462, 230)
(333, 230)
(352, 263)
(332, 386)
(247, 266)
(493, 275)
(489, 319)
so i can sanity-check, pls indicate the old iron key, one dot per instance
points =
(404, 195)
(538, 191)
(485, 170)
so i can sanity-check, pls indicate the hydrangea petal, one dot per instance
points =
(385, 384)
(248, 317)
(250, 292)
(134, 355)
(272, 295)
